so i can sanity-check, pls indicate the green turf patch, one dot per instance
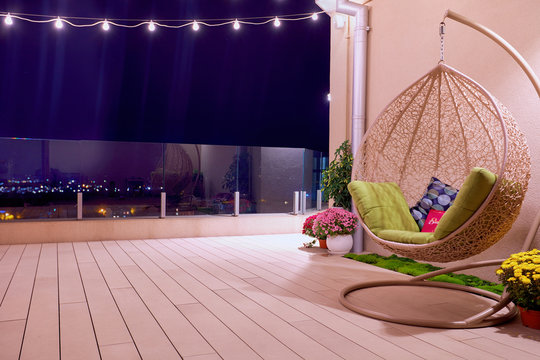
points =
(410, 267)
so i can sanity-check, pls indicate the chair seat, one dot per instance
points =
(406, 237)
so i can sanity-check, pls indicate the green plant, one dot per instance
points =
(410, 267)
(338, 175)
(521, 275)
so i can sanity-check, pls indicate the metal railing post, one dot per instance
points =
(236, 203)
(79, 205)
(303, 202)
(296, 198)
(163, 208)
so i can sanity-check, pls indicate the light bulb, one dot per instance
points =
(236, 25)
(277, 22)
(8, 20)
(58, 23)
(195, 26)
(151, 26)
(105, 26)
(315, 16)
(329, 97)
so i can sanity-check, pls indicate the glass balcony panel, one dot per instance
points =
(38, 179)
(121, 179)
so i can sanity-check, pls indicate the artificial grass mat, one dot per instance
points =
(410, 267)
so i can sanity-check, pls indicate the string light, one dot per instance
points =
(58, 23)
(8, 20)
(106, 24)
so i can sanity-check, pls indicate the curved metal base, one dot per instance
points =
(481, 319)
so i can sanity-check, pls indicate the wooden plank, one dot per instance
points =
(291, 337)
(498, 349)
(113, 275)
(210, 281)
(512, 334)
(69, 280)
(226, 343)
(16, 301)
(82, 252)
(11, 338)
(185, 338)
(174, 291)
(108, 322)
(126, 351)
(334, 341)
(151, 341)
(204, 357)
(41, 338)
(77, 338)
(3, 249)
(215, 259)
(277, 307)
(359, 335)
(258, 339)
(8, 264)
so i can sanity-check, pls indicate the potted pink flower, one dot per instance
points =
(336, 225)
(307, 229)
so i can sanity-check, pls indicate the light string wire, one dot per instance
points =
(158, 22)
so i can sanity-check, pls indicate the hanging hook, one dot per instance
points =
(442, 31)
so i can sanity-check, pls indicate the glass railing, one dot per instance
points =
(40, 179)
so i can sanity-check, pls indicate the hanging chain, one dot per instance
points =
(442, 30)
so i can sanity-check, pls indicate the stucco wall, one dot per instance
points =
(404, 45)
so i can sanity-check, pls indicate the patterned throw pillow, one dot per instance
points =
(438, 196)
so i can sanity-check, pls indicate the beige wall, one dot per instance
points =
(28, 232)
(403, 45)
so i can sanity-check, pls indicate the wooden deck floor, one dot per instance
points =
(235, 298)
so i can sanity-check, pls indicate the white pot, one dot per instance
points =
(339, 244)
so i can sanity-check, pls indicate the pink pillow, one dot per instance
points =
(432, 220)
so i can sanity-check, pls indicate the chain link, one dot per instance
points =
(441, 34)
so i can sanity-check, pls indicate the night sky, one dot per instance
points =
(259, 86)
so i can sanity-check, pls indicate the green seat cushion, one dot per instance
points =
(382, 206)
(472, 194)
(406, 237)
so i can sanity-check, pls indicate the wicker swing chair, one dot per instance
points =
(444, 125)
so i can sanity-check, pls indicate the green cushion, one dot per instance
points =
(382, 206)
(407, 237)
(472, 194)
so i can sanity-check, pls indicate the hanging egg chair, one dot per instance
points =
(443, 125)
